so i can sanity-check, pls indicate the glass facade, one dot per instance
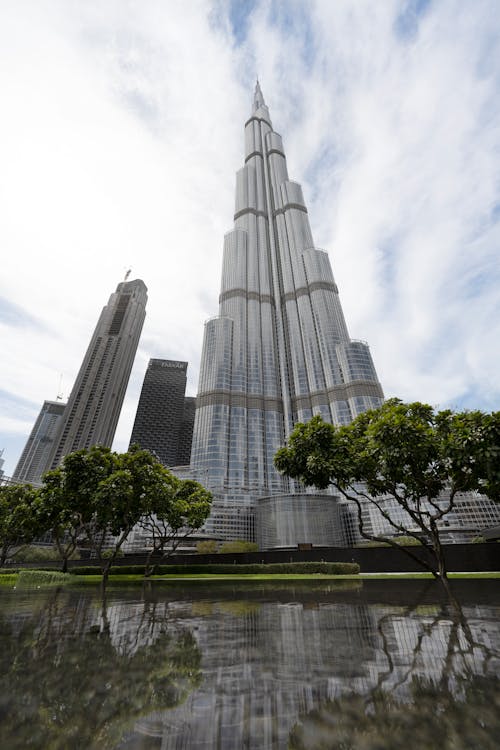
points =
(94, 405)
(279, 350)
(35, 456)
(471, 514)
(285, 521)
(165, 417)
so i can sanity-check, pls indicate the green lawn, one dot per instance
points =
(201, 577)
(10, 579)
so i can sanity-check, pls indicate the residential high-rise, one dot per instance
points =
(34, 461)
(165, 416)
(94, 406)
(279, 350)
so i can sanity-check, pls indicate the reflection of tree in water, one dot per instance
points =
(432, 718)
(66, 684)
(451, 703)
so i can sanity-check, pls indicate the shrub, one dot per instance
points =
(35, 553)
(407, 541)
(207, 547)
(110, 552)
(239, 545)
(403, 541)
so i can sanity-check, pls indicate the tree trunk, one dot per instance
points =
(105, 573)
(4, 554)
(438, 551)
(64, 568)
(148, 568)
(104, 582)
(104, 608)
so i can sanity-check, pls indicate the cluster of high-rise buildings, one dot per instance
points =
(278, 353)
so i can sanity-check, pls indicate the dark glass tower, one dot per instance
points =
(165, 417)
(35, 456)
(279, 350)
(94, 406)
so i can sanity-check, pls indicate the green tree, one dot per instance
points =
(406, 453)
(61, 514)
(75, 498)
(97, 497)
(18, 522)
(175, 508)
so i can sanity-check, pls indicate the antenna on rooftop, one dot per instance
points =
(127, 274)
(59, 390)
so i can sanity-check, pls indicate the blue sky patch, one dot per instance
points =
(16, 406)
(406, 24)
(13, 315)
(239, 13)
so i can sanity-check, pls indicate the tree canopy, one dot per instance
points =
(98, 496)
(416, 456)
(174, 514)
(18, 524)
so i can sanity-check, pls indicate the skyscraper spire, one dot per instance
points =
(279, 351)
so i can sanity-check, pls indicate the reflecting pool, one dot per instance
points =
(372, 664)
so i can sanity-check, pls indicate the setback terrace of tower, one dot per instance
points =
(279, 351)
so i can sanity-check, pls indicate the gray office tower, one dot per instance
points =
(165, 416)
(34, 461)
(278, 352)
(94, 406)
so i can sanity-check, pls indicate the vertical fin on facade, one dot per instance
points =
(279, 351)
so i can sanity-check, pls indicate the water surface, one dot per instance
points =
(318, 666)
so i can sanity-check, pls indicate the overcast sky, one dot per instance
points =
(121, 129)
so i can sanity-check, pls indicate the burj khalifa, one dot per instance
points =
(279, 350)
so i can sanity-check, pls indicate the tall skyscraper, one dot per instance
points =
(165, 416)
(279, 350)
(34, 461)
(94, 406)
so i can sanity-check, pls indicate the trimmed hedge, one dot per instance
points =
(331, 568)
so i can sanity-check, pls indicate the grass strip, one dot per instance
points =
(11, 579)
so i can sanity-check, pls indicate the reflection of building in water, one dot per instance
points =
(265, 667)
(264, 663)
(262, 669)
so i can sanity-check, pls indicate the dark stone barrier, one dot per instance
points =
(459, 557)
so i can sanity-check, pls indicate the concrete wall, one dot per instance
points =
(459, 557)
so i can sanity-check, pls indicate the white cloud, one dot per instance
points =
(121, 130)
